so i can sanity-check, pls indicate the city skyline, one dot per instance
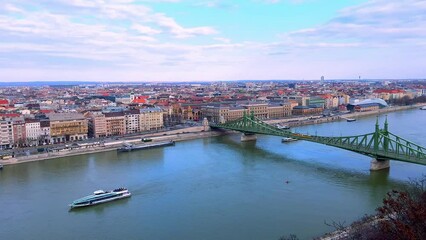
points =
(172, 40)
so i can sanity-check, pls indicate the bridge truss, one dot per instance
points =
(380, 144)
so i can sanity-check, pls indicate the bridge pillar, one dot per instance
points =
(379, 164)
(245, 137)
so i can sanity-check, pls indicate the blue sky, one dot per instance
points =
(185, 40)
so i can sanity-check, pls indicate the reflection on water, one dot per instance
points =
(215, 188)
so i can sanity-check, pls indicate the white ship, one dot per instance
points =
(101, 196)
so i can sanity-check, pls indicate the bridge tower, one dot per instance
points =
(247, 136)
(379, 163)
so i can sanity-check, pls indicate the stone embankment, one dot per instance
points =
(175, 135)
(308, 120)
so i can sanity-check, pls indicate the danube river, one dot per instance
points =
(216, 188)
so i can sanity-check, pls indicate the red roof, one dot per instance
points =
(140, 99)
(10, 115)
(45, 111)
(389, 91)
(4, 102)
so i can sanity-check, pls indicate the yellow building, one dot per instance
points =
(279, 110)
(151, 118)
(68, 127)
(223, 113)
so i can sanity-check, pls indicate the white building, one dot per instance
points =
(131, 119)
(32, 131)
(6, 133)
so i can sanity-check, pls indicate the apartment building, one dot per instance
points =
(131, 119)
(115, 124)
(150, 119)
(68, 127)
(96, 124)
(305, 110)
(19, 131)
(32, 131)
(45, 137)
(6, 133)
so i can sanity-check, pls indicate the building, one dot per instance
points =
(45, 137)
(96, 124)
(151, 119)
(260, 110)
(305, 110)
(279, 110)
(301, 100)
(131, 119)
(115, 124)
(4, 103)
(32, 131)
(6, 133)
(225, 113)
(317, 101)
(19, 131)
(367, 105)
(67, 127)
(222, 113)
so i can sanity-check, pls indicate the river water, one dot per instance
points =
(216, 188)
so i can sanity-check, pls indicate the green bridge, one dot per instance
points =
(381, 145)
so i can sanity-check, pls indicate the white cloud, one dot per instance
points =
(117, 40)
(145, 29)
(376, 22)
(179, 31)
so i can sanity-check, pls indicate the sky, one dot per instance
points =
(212, 40)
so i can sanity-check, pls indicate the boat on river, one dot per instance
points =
(101, 196)
(284, 127)
(423, 108)
(350, 119)
(127, 147)
(287, 139)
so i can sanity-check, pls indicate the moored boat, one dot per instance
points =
(350, 119)
(130, 147)
(101, 196)
(287, 139)
(423, 108)
(284, 127)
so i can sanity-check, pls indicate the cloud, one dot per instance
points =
(145, 29)
(179, 31)
(127, 40)
(217, 4)
(377, 22)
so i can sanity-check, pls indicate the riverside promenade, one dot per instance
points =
(175, 135)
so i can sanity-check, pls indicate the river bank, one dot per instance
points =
(309, 120)
(183, 135)
(193, 133)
